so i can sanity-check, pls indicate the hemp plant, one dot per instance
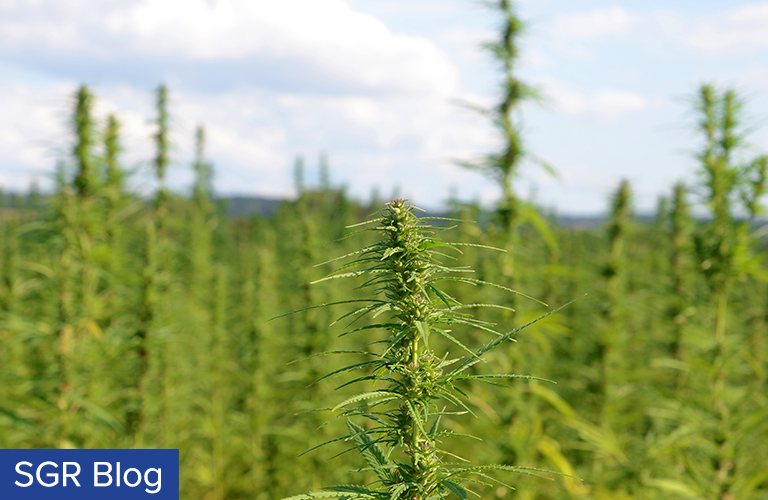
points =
(413, 386)
(681, 239)
(86, 179)
(162, 144)
(503, 166)
(727, 250)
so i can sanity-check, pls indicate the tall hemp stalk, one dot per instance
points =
(615, 272)
(147, 312)
(115, 212)
(219, 433)
(660, 260)
(112, 149)
(202, 223)
(11, 307)
(503, 167)
(84, 127)
(162, 153)
(9, 267)
(87, 183)
(203, 190)
(403, 440)
(80, 225)
(164, 258)
(726, 251)
(154, 283)
(681, 236)
(64, 278)
(255, 268)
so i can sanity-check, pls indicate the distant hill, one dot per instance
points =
(243, 206)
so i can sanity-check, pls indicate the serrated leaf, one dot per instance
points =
(366, 396)
(328, 495)
(456, 489)
(399, 490)
(369, 449)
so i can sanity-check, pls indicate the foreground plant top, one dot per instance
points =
(409, 386)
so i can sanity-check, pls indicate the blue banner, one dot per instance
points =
(89, 474)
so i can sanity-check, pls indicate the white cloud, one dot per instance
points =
(761, 141)
(35, 134)
(389, 94)
(431, 128)
(611, 104)
(605, 104)
(735, 30)
(31, 128)
(466, 44)
(596, 23)
(247, 151)
(325, 37)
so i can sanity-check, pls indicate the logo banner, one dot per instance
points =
(89, 474)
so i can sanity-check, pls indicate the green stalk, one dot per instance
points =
(85, 180)
(220, 386)
(202, 223)
(661, 225)
(112, 150)
(724, 245)
(115, 203)
(87, 219)
(162, 152)
(503, 167)
(615, 269)
(9, 267)
(153, 369)
(681, 234)
(64, 276)
(717, 125)
(202, 193)
(514, 93)
(609, 347)
(35, 199)
(137, 424)
(253, 264)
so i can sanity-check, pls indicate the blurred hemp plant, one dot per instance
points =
(503, 166)
(402, 443)
(728, 250)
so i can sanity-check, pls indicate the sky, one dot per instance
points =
(388, 89)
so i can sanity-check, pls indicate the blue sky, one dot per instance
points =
(379, 86)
